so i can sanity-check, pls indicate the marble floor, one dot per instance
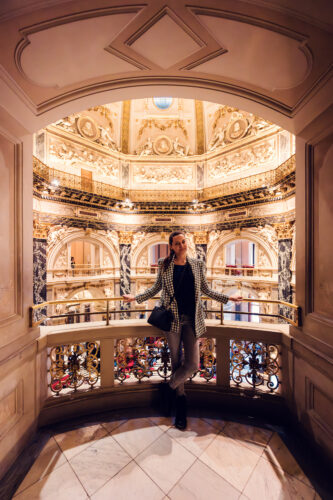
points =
(147, 458)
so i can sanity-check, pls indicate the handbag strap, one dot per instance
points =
(178, 284)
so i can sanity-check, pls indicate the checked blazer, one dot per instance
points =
(164, 282)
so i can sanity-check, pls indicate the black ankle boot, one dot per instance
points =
(167, 398)
(181, 412)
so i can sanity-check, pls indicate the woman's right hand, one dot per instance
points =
(128, 297)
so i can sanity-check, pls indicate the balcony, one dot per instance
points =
(86, 271)
(119, 363)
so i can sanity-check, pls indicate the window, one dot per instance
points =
(240, 253)
(162, 102)
(84, 253)
(157, 252)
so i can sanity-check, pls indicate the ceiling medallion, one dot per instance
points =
(237, 129)
(87, 128)
(162, 145)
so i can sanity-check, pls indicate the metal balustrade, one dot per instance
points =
(240, 358)
(232, 358)
(81, 270)
(38, 313)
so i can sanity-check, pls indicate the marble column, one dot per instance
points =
(284, 233)
(200, 240)
(39, 267)
(201, 251)
(125, 240)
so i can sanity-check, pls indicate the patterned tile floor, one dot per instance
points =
(147, 458)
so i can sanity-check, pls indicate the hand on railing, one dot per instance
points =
(129, 298)
(42, 313)
(236, 298)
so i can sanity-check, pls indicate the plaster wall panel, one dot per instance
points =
(313, 393)
(85, 56)
(8, 174)
(17, 340)
(314, 211)
(323, 217)
(15, 241)
(266, 46)
(17, 404)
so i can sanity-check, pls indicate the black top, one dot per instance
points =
(185, 293)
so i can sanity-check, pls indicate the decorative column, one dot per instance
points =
(284, 233)
(40, 233)
(199, 119)
(200, 240)
(125, 240)
(125, 126)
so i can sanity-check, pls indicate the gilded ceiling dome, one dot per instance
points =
(165, 148)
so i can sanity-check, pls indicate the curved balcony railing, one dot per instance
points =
(57, 178)
(244, 358)
(112, 358)
(46, 312)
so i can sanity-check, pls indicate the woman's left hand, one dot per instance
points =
(236, 298)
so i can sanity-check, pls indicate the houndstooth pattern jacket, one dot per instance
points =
(164, 282)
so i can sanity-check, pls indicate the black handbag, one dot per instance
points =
(162, 317)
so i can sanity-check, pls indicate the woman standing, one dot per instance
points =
(184, 279)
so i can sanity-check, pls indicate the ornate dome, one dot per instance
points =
(149, 148)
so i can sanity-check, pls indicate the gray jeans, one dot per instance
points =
(182, 369)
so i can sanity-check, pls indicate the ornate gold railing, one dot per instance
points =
(83, 270)
(56, 178)
(251, 182)
(125, 310)
(245, 360)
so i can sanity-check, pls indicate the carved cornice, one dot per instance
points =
(125, 238)
(284, 230)
(128, 229)
(41, 230)
(278, 184)
(201, 238)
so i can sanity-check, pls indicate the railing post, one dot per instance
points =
(107, 362)
(222, 313)
(299, 316)
(223, 362)
(31, 313)
(107, 312)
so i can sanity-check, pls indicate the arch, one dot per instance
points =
(244, 234)
(93, 237)
(191, 89)
(95, 292)
(145, 244)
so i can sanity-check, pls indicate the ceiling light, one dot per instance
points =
(55, 182)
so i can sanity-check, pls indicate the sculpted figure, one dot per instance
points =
(179, 149)
(217, 139)
(106, 139)
(147, 148)
(67, 123)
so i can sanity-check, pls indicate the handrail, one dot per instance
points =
(42, 305)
